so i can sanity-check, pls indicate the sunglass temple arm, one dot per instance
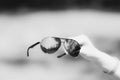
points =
(31, 47)
(61, 55)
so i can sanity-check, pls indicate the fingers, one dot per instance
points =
(88, 51)
(82, 40)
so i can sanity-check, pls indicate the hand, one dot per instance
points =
(88, 50)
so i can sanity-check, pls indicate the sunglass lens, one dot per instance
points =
(50, 44)
(72, 47)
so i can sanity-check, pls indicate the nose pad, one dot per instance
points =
(50, 44)
(72, 47)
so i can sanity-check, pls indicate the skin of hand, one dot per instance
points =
(88, 51)
(91, 53)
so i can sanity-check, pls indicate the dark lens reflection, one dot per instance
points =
(72, 47)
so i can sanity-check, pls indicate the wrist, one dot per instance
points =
(107, 62)
(117, 70)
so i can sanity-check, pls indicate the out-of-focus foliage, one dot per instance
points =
(15, 5)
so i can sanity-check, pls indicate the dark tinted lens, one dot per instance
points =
(72, 47)
(50, 45)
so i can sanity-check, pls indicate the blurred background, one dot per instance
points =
(24, 22)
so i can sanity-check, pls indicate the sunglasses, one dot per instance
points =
(51, 44)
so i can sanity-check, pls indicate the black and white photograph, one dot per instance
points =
(59, 40)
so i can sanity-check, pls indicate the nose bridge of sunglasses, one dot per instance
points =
(64, 46)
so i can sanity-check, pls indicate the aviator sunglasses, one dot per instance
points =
(51, 44)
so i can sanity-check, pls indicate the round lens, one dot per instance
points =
(72, 47)
(50, 44)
